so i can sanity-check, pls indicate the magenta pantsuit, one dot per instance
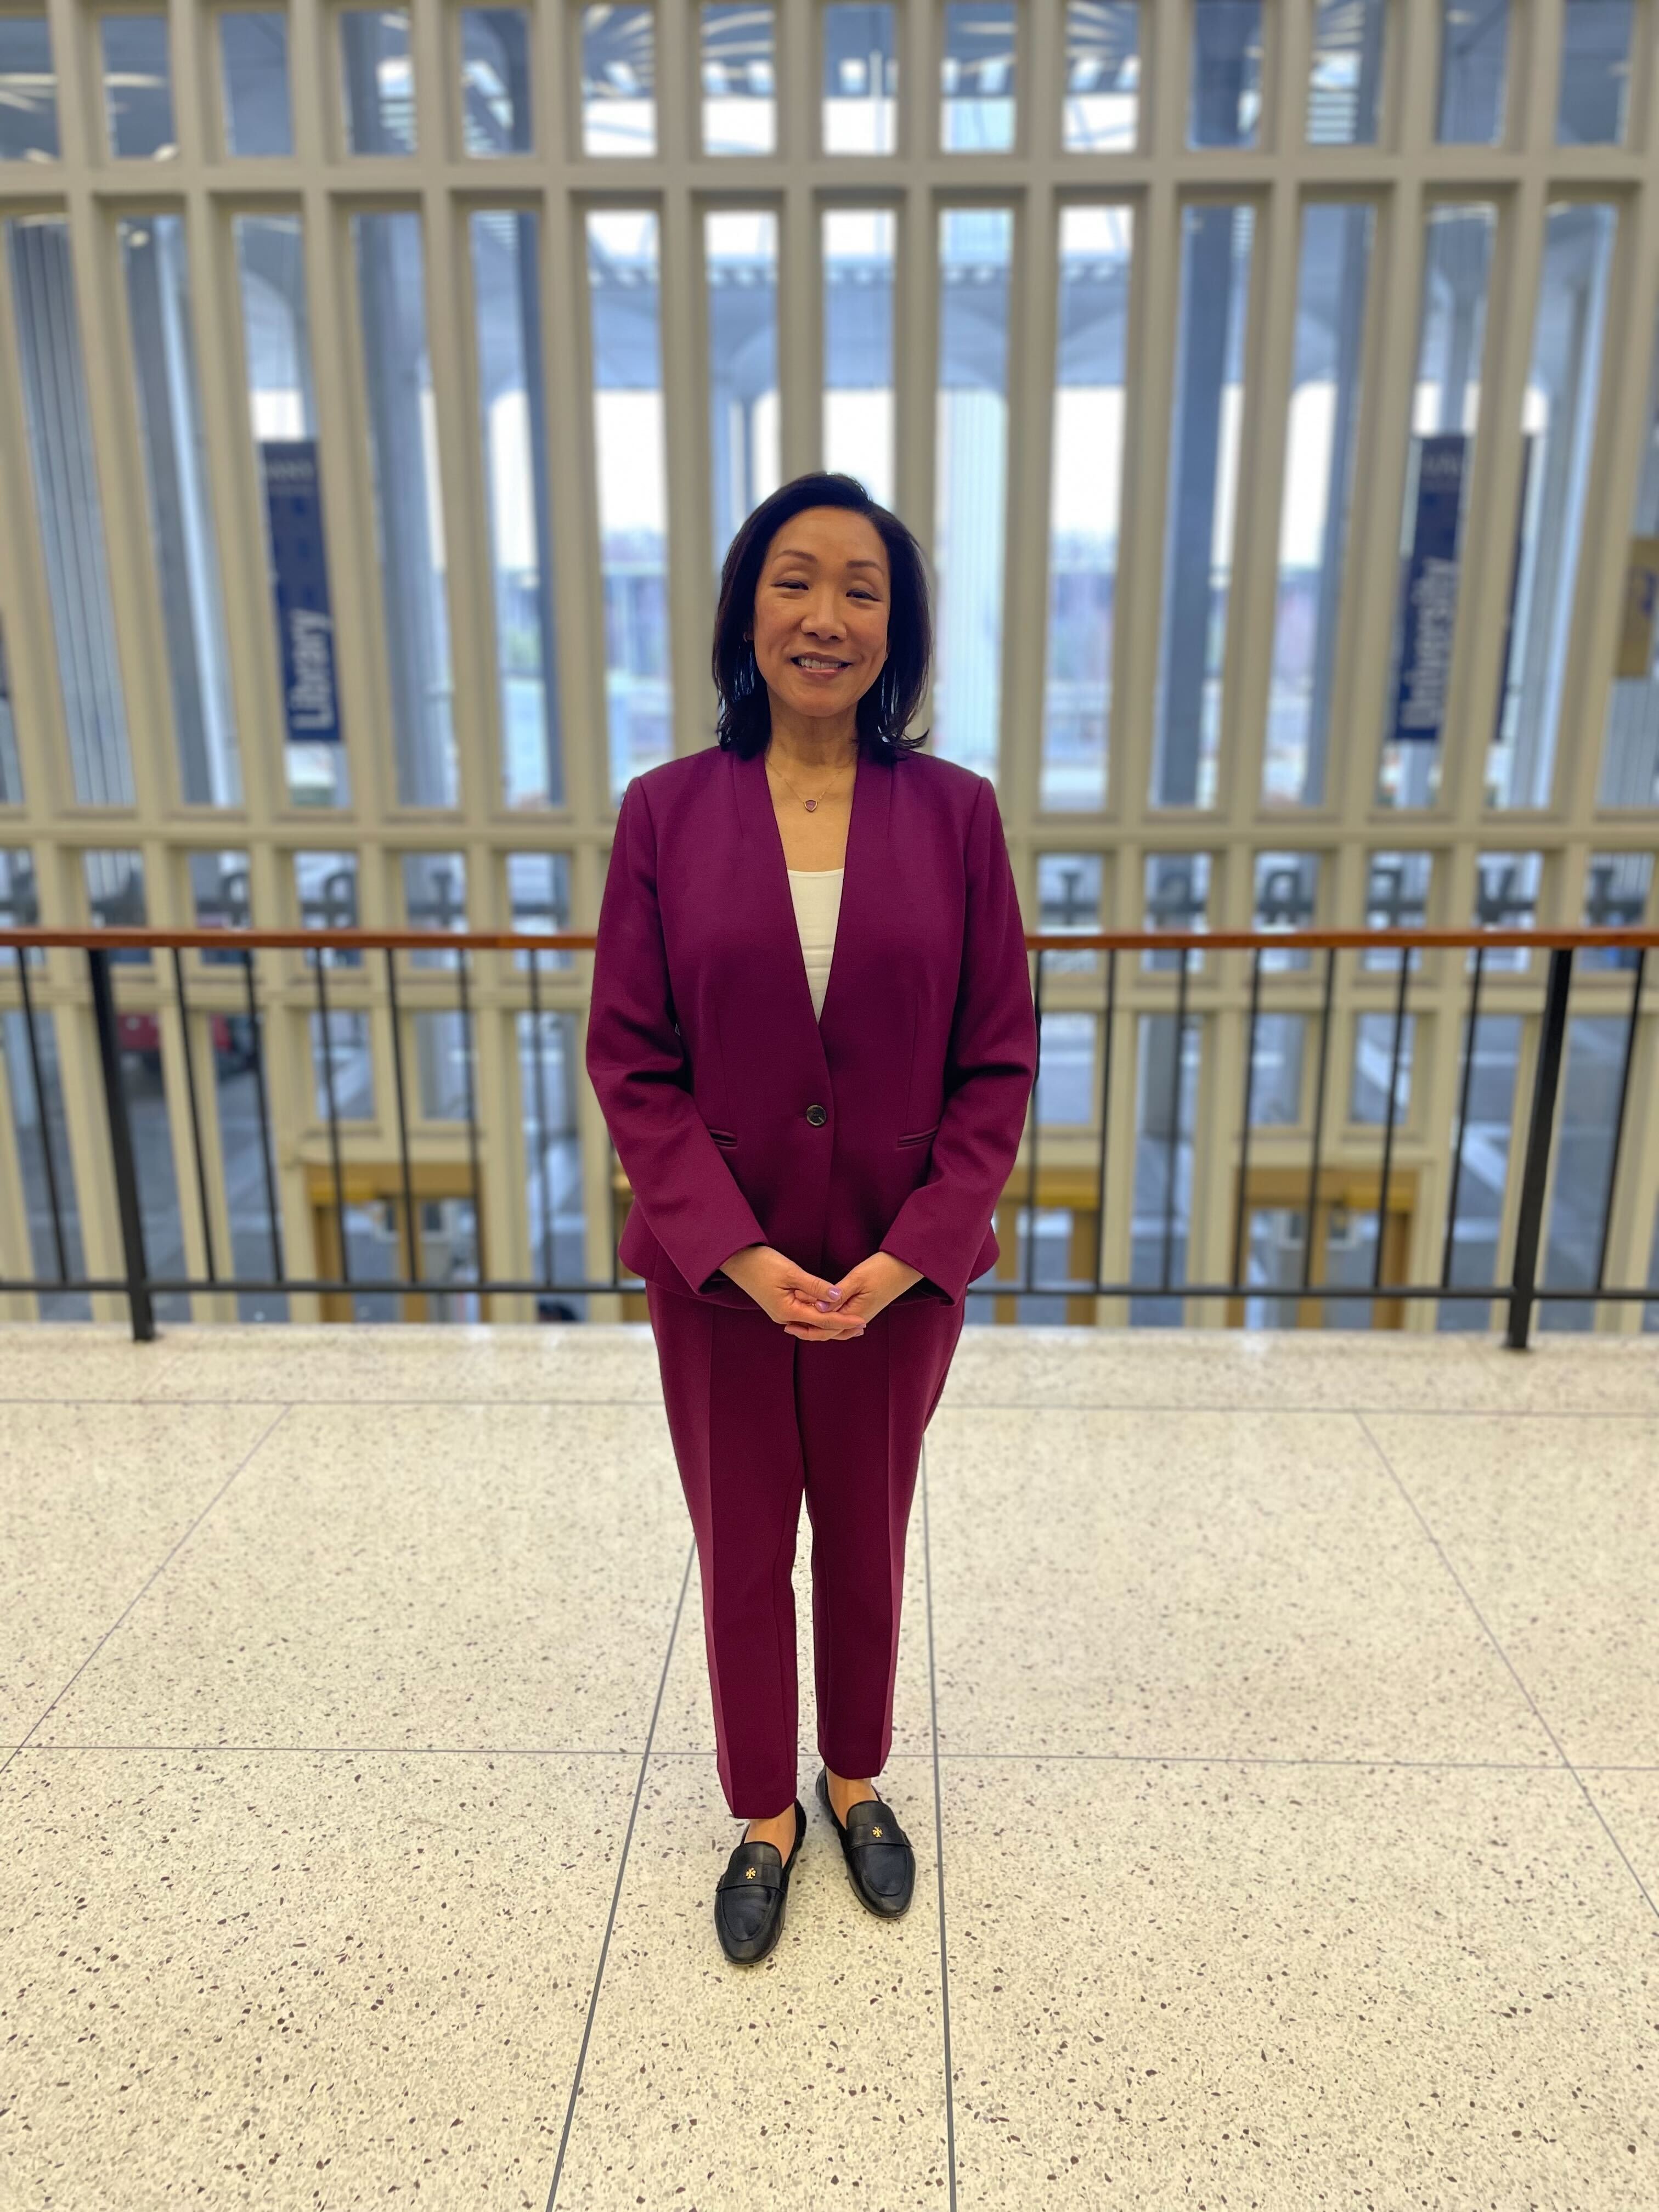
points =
(892, 1123)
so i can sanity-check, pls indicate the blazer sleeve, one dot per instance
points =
(637, 1066)
(990, 1069)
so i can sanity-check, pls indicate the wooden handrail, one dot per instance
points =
(1122, 940)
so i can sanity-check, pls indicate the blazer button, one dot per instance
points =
(816, 1117)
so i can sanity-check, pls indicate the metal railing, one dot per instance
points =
(1521, 1291)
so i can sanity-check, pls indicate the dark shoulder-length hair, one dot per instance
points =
(745, 722)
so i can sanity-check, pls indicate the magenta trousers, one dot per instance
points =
(758, 1419)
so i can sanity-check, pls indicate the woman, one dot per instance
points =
(815, 1144)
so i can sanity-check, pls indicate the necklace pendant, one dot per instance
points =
(811, 805)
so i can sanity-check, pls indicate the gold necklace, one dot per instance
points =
(811, 804)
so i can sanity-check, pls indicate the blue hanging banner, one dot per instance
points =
(1429, 594)
(305, 627)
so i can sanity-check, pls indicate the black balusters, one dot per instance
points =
(1528, 1228)
(120, 1146)
(411, 1255)
(333, 1114)
(195, 1115)
(43, 1108)
(256, 1040)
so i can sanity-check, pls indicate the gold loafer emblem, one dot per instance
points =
(875, 1831)
(749, 1873)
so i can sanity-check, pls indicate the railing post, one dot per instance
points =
(1535, 1173)
(120, 1148)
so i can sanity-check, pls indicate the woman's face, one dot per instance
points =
(820, 624)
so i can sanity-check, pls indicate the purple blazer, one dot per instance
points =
(892, 1123)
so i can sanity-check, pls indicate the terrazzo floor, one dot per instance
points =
(1277, 1724)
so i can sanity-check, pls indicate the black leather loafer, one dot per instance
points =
(749, 1898)
(880, 1864)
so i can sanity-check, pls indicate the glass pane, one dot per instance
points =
(740, 256)
(495, 81)
(1558, 434)
(1580, 1191)
(1070, 895)
(1085, 499)
(977, 77)
(1226, 87)
(619, 80)
(1457, 262)
(1281, 1042)
(971, 460)
(138, 88)
(403, 440)
(277, 340)
(861, 80)
(1373, 1057)
(255, 1246)
(20, 893)
(68, 507)
(539, 900)
(38, 1127)
(624, 295)
(1318, 484)
(1102, 109)
(1286, 897)
(1209, 407)
(1630, 741)
(434, 898)
(377, 81)
(443, 1067)
(115, 898)
(184, 548)
(1396, 897)
(1178, 898)
(1066, 1079)
(1166, 1106)
(1483, 1166)
(860, 247)
(341, 1054)
(1345, 78)
(29, 90)
(516, 471)
(1506, 897)
(548, 1060)
(11, 774)
(1616, 887)
(1595, 45)
(253, 60)
(739, 110)
(326, 885)
(1474, 48)
(220, 899)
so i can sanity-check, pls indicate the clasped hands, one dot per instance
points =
(807, 1306)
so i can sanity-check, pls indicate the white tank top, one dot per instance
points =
(817, 894)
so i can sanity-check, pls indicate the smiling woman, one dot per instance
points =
(819, 573)
(812, 1037)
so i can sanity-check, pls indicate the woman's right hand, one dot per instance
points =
(789, 1295)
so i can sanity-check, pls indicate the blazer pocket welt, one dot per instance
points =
(920, 1136)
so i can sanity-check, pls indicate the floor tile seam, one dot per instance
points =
(160, 1568)
(353, 1750)
(622, 1871)
(938, 1846)
(707, 1752)
(947, 1757)
(960, 1406)
(1515, 1671)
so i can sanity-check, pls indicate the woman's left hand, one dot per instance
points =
(873, 1284)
